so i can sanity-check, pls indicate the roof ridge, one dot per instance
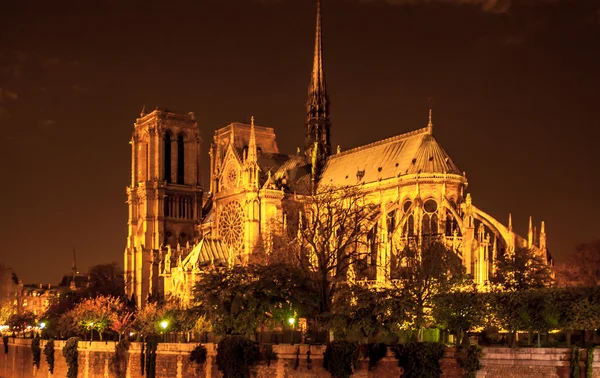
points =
(394, 138)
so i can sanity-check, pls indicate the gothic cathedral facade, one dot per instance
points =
(176, 228)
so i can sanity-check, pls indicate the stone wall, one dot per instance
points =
(172, 361)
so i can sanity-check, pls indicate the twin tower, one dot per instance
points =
(165, 197)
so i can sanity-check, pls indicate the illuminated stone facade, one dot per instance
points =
(419, 189)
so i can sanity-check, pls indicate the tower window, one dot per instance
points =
(180, 159)
(167, 155)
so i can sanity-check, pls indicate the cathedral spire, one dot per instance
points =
(510, 228)
(252, 143)
(317, 104)
(430, 124)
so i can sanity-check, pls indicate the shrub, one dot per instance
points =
(267, 354)
(589, 370)
(341, 358)
(575, 358)
(49, 353)
(375, 352)
(5, 340)
(198, 355)
(119, 360)
(236, 355)
(419, 360)
(468, 359)
(36, 351)
(151, 346)
(71, 356)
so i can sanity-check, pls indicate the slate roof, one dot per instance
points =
(410, 153)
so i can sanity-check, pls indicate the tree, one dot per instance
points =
(121, 321)
(93, 314)
(426, 271)
(106, 280)
(326, 234)
(20, 322)
(581, 268)
(364, 313)
(242, 299)
(460, 311)
(522, 269)
(8, 287)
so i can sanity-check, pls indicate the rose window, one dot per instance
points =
(231, 225)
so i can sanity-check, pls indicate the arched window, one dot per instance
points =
(167, 157)
(426, 226)
(180, 159)
(410, 225)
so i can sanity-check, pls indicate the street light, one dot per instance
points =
(164, 324)
(42, 325)
(91, 325)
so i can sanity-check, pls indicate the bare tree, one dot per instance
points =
(582, 268)
(326, 235)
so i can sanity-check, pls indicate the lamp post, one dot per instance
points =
(164, 324)
(292, 321)
(91, 325)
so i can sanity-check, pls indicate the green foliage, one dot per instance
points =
(236, 355)
(419, 360)
(5, 342)
(589, 363)
(36, 351)
(71, 356)
(574, 366)
(369, 314)
(49, 353)
(469, 360)
(118, 364)
(241, 299)
(460, 311)
(375, 352)
(426, 272)
(523, 269)
(150, 357)
(198, 354)
(19, 322)
(341, 358)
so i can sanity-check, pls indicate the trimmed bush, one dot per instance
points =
(119, 360)
(49, 353)
(469, 360)
(198, 354)
(375, 352)
(589, 370)
(341, 358)
(575, 358)
(151, 347)
(419, 360)
(236, 355)
(71, 356)
(36, 351)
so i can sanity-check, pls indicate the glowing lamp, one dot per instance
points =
(164, 324)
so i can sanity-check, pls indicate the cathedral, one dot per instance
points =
(176, 226)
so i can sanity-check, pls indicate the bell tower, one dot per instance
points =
(164, 197)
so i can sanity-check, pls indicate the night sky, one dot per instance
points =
(516, 90)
